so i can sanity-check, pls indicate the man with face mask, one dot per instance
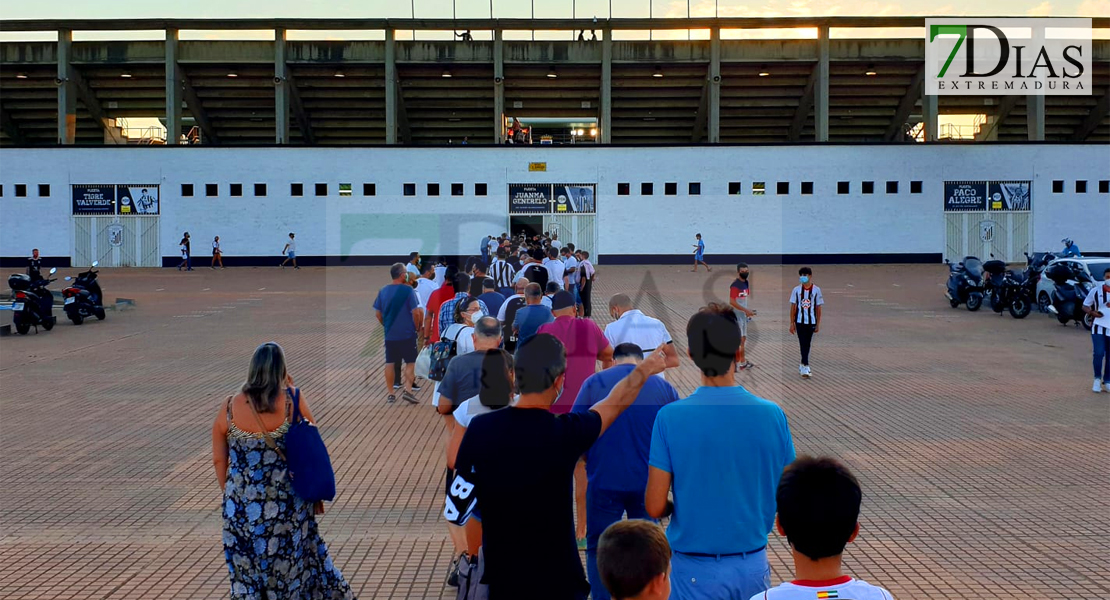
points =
(1097, 304)
(805, 315)
(738, 295)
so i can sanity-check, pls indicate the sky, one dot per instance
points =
(544, 9)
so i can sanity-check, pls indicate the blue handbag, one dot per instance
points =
(309, 464)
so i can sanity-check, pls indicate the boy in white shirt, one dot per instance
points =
(818, 512)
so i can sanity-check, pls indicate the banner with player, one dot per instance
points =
(137, 199)
(574, 198)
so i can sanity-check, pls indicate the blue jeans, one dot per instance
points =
(603, 508)
(1101, 343)
(706, 578)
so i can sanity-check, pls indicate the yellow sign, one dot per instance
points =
(537, 166)
(996, 205)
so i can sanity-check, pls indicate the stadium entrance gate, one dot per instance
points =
(988, 219)
(116, 225)
(567, 209)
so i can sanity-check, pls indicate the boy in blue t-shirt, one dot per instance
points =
(699, 255)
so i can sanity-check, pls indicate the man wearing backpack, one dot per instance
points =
(399, 312)
(508, 311)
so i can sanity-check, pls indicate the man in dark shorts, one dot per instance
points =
(400, 314)
(738, 294)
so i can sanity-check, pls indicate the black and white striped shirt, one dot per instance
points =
(502, 273)
(1099, 299)
(807, 302)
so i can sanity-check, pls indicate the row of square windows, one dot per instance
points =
(758, 188)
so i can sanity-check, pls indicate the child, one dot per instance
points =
(634, 560)
(290, 252)
(805, 316)
(699, 255)
(818, 503)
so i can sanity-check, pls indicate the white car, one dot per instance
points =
(1094, 266)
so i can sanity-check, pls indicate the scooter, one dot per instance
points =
(83, 298)
(1072, 287)
(965, 283)
(32, 303)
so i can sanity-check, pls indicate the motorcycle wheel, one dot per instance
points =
(1020, 307)
(1065, 313)
(22, 327)
(49, 322)
(996, 303)
(100, 314)
(76, 318)
(1043, 302)
(954, 303)
(974, 301)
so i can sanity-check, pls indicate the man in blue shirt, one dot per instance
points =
(400, 314)
(617, 464)
(1071, 249)
(724, 450)
(533, 314)
(491, 296)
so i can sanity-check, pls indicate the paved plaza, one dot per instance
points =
(983, 455)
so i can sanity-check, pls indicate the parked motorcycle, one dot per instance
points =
(32, 303)
(1072, 284)
(965, 283)
(84, 299)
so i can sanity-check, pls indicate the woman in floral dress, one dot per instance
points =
(273, 547)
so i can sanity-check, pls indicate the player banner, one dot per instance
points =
(94, 199)
(1010, 195)
(574, 199)
(137, 199)
(529, 198)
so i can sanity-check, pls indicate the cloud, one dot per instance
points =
(1041, 10)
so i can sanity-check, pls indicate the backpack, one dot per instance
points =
(442, 353)
(508, 335)
(538, 274)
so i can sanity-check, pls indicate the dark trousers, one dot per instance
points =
(603, 508)
(586, 288)
(805, 338)
(1101, 343)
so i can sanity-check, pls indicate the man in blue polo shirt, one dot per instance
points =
(724, 450)
(617, 464)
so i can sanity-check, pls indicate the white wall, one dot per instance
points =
(392, 224)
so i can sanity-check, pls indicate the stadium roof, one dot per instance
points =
(428, 91)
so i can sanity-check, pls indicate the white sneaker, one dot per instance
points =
(809, 371)
(1106, 386)
(806, 372)
(1097, 387)
(802, 370)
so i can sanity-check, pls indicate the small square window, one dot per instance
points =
(869, 187)
(647, 189)
(892, 187)
(1103, 187)
(344, 190)
(1, 190)
(807, 188)
(186, 190)
(260, 190)
(321, 189)
(433, 189)
(369, 189)
(211, 189)
(623, 189)
(458, 189)
(235, 189)
(296, 189)
(44, 189)
(410, 189)
(759, 188)
(782, 188)
(480, 189)
(1058, 187)
(735, 188)
(1080, 187)
(915, 187)
(21, 190)
(670, 188)
(694, 189)
(843, 187)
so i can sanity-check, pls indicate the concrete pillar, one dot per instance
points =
(498, 88)
(67, 91)
(390, 87)
(606, 124)
(1034, 115)
(174, 90)
(930, 116)
(714, 123)
(281, 90)
(821, 87)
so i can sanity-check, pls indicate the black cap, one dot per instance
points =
(562, 299)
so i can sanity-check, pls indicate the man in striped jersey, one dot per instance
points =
(1097, 304)
(805, 315)
(502, 273)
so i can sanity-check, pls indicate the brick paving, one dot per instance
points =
(982, 452)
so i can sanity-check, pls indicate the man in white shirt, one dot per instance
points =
(502, 273)
(631, 326)
(425, 285)
(413, 265)
(492, 246)
(554, 266)
(1097, 304)
(555, 243)
(441, 273)
(570, 276)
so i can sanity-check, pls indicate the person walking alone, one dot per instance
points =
(290, 251)
(805, 315)
(738, 294)
(186, 253)
(217, 254)
(1097, 304)
(699, 255)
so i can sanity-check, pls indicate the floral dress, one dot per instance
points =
(273, 548)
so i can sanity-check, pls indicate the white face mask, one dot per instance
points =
(475, 315)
